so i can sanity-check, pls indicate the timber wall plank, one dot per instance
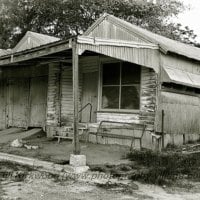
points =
(67, 95)
(91, 64)
(53, 96)
(181, 113)
(2, 104)
(14, 93)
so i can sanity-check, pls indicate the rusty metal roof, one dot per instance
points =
(166, 44)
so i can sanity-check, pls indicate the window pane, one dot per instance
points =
(130, 97)
(111, 73)
(110, 97)
(130, 73)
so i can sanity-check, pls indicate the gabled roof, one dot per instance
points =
(32, 40)
(5, 51)
(166, 44)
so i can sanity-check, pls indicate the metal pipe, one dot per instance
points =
(114, 122)
(85, 106)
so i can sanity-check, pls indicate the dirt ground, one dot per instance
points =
(50, 150)
(44, 187)
(49, 189)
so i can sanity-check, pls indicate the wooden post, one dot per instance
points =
(75, 66)
(163, 134)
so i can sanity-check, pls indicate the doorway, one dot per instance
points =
(38, 101)
(17, 102)
(89, 95)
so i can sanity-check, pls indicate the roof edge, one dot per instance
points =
(48, 45)
(96, 23)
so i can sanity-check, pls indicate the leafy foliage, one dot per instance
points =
(63, 18)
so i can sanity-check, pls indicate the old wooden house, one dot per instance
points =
(115, 72)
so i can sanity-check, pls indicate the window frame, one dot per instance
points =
(117, 110)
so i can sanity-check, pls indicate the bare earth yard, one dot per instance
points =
(32, 189)
(50, 150)
(105, 158)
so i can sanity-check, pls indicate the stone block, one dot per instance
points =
(77, 160)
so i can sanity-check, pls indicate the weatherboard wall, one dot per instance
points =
(67, 103)
(2, 104)
(16, 87)
(181, 108)
(90, 64)
(147, 100)
(53, 95)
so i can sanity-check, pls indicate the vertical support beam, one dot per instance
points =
(163, 134)
(75, 66)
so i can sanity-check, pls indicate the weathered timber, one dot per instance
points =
(75, 66)
(53, 108)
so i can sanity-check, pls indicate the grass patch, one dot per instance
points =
(11, 166)
(118, 187)
(13, 171)
(165, 167)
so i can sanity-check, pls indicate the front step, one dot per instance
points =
(67, 133)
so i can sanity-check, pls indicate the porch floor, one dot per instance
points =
(50, 150)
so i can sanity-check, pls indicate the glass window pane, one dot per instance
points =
(130, 97)
(110, 97)
(130, 73)
(111, 74)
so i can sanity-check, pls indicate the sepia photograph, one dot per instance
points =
(99, 100)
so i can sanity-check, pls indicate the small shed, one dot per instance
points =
(126, 74)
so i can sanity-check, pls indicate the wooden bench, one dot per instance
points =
(105, 132)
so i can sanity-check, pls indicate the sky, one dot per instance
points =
(191, 18)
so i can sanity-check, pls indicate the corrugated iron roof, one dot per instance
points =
(32, 40)
(181, 77)
(166, 44)
(5, 51)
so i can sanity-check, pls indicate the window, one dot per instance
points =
(120, 86)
